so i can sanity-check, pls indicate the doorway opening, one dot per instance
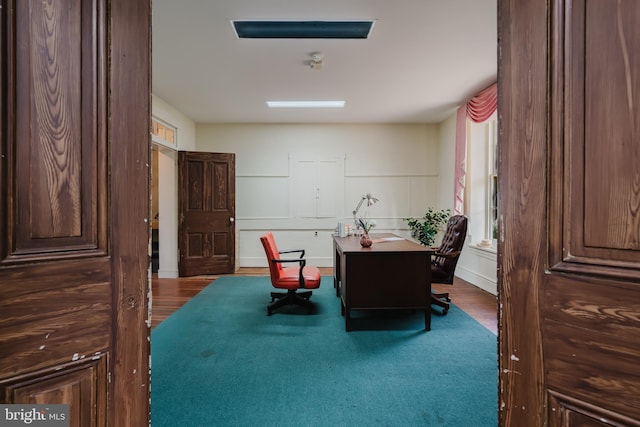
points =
(164, 199)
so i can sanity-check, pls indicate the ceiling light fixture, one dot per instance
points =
(316, 60)
(305, 104)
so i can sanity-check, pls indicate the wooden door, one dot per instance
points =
(74, 207)
(569, 243)
(206, 225)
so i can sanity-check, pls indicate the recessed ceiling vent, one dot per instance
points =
(303, 29)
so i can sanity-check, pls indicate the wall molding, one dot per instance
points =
(479, 280)
(167, 274)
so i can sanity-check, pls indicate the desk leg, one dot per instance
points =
(427, 319)
(336, 272)
(346, 313)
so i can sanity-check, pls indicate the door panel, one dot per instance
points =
(53, 305)
(601, 188)
(570, 212)
(591, 326)
(60, 194)
(206, 229)
(60, 106)
(74, 208)
(81, 382)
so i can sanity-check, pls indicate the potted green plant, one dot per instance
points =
(426, 228)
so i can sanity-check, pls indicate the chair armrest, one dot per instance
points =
(453, 254)
(302, 263)
(293, 251)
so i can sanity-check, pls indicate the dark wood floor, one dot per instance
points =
(171, 294)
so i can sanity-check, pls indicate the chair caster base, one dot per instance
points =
(279, 299)
(442, 301)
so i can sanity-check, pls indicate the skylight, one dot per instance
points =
(303, 29)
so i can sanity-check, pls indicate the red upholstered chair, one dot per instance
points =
(443, 264)
(292, 278)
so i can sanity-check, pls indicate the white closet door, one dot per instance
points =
(317, 186)
(330, 178)
(304, 188)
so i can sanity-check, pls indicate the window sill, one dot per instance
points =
(484, 248)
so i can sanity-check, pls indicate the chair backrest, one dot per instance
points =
(272, 252)
(452, 241)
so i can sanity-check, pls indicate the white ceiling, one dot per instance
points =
(423, 59)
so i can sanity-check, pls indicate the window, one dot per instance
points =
(492, 185)
(482, 174)
(163, 133)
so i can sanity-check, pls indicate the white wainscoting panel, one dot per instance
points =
(262, 197)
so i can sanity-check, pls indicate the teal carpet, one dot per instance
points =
(221, 361)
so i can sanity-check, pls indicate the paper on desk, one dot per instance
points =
(388, 239)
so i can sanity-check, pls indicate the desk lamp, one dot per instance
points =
(370, 201)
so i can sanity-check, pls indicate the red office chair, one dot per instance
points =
(289, 278)
(443, 265)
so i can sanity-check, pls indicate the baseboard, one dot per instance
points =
(167, 274)
(478, 280)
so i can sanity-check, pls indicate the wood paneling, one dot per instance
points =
(82, 385)
(569, 262)
(589, 319)
(610, 38)
(130, 210)
(596, 138)
(574, 362)
(592, 342)
(580, 303)
(566, 411)
(522, 153)
(56, 140)
(74, 207)
(222, 185)
(45, 321)
(195, 195)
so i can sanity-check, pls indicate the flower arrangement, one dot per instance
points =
(366, 224)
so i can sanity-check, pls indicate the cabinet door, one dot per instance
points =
(330, 188)
(317, 187)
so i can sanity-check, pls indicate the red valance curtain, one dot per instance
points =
(482, 106)
(478, 109)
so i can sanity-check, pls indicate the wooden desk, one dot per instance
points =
(388, 275)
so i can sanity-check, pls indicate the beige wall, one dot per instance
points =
(186, 128)
(399, 164)
(447, 139)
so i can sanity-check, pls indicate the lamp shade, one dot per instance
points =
(371, 200)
